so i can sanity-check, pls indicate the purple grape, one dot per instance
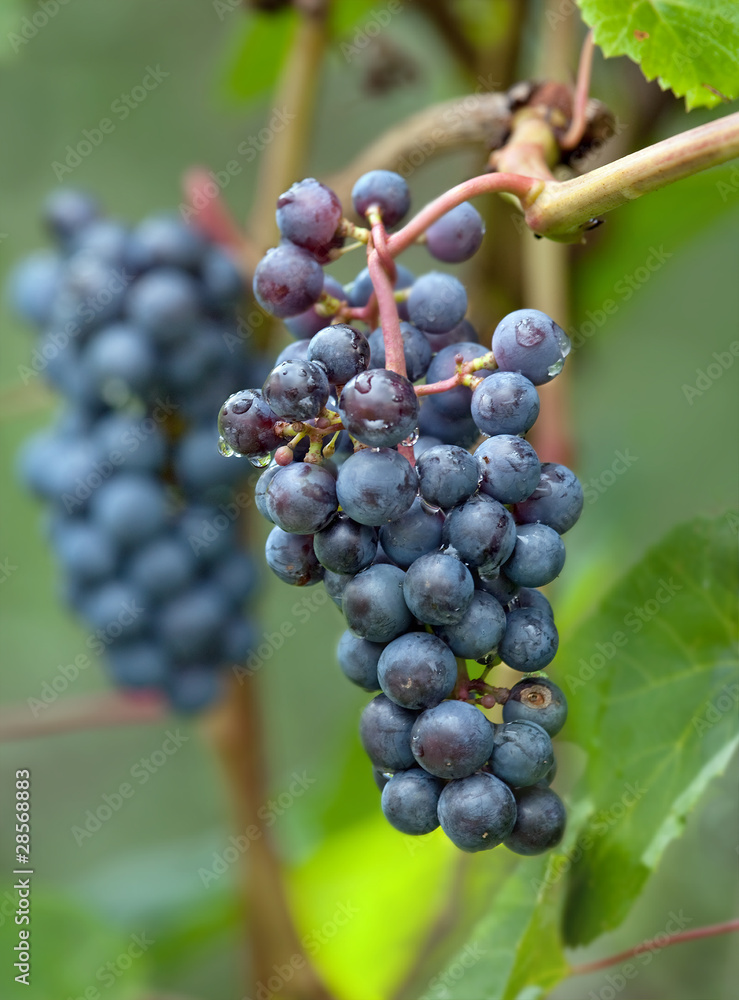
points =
(309, 214)
(385, 189)
(530, 342)
(375, 487)
(379, 408)
(307, 323)
(287, 281)
(457, 235)
(291, 557)
(556, 501)
(301, 498)
(246, 423)
(509, 468)
(416, 350)
(342, 350)
(505, 403)
(437, 302)
(297, 390)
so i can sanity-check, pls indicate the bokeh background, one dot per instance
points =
(139, 873)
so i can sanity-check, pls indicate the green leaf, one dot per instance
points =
(346, 14)
(653, 687)
(690, 46)
(260, 50)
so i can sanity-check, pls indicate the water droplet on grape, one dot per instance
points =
(260, 461)
(556, 368)
(412, 438)
(225, 448)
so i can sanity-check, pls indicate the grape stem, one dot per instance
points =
(89, 711)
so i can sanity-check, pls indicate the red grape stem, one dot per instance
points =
(578, 124)
(89, 711)
(463, 376)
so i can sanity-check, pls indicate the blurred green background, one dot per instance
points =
(139, 873)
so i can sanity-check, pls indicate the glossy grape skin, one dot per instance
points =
(413, 534)
(505, 403)
(438, 589)
(375, 487)
(447, 475)
(538, 556)
(537, 699)
(291, 557)
(557, 500)
(260, 490)
(301, 498)
(246, 423)
(374, 606)
(308, 323)
(457, 235)
(385, 732)
(345, 546)
(166, 303)
(410, 800)
(481, 531)
(296, 390)
(379, 408)
(416, 350)
(437, 302)
(530, 342)
(540, 821)
(529, 597)
(452, 740)
(342, 350)
(385, 189)
(509, 468)
(523, 753)
(477, 813)
(309, 214)
(454, 403)
(358, 660)
(130, 508)
(530, 641)
(417, 670)
(287, 281)
(478, 633)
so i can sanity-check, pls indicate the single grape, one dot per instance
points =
(379, 408)
(556, 501)
(482, 533)
(530, 641)
(528, 597)
(385, 732)
(130, 508)
(165, 241)
(438, 589)
(301, 498)
(509, 468)
(454, 403)
(537, 699)
(416, 350)
(530, 342)
(447, 475)
(384, 189)
(413, 534)
(374, 606)
(260, 490)
(165, 303)
(457, 235)
(345, 546)
(342, 350)
(505, 403)
(452, 740)
(121, 354)
(335, 584)
(477, 813)
(410, 800)
(291, 557)
(538, 556)
(33, 285)
(358, 659)
(437, 302)
(540, 821)
(297, 390)
(375, 487)
(192, 688)
(309, 214)
(417, 670)
(117, 609)
(522, 754)
(162, 568)
(287, 281)
(246, 423)
(140, 663)
(190, 624)
(66, 211)
(477, 634)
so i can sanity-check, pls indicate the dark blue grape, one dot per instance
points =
(505, 403)
(200, 466)
(416, 350)
(528, 597)
(417, 670)
(375, 487)
(163, 568)
(190, 624)
(297, 390)
(342, 350)
(105, 238)
(438, 589)
(477, 813)
(424, 442)
(86, 552)
(292, 558)
(437, 302)
(166, 303)
(260, 490)
(309, 214)
(413, 534)
(165, 241)
(361, 288)
(238, 638)
(476, 636)
(410, 800)
(296, 351)
(522, 754)
(358, 660)
(117, 609)
(385, 732)
(223, 282)
(140, 663)
(454, 403)
(384, 189)
(459, 431)
(92, 293)
(537, 699)
(540, 821)
(246, 423)
(457, 235)
(462, 333)
(193, 688)
(556, 501)
(33, 285)
(530, 342)
(335, 584)
(447, 475)
(287, 281)
(509, 468)
(236, 577)
(530, 641)
(379, 408)
(538, 556)
(66, 211)
(120, 355)
(301, 498)
(374, 606)
(130, 507)
(344, 546)
(501, 588)
(452, 740)
(482, 533)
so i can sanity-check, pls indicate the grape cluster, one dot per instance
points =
(427, 514)
(138, 331)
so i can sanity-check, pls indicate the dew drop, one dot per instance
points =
(556, 368)
(225, 448)
(412, 438)
(260, 461)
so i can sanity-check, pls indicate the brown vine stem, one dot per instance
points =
(656, 944)
(88, 711)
